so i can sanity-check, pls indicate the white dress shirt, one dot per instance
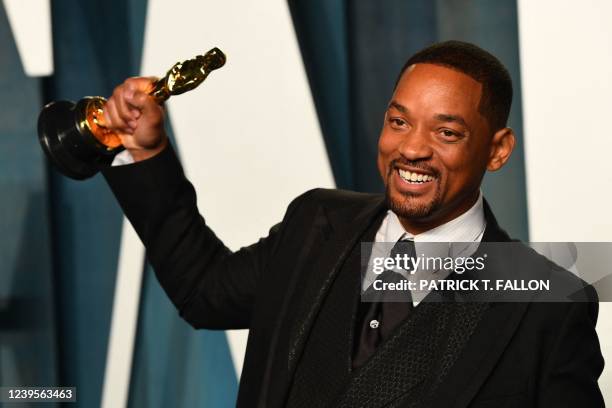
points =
(122, 158)
(467, 228)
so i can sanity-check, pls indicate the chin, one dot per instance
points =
(411, 207)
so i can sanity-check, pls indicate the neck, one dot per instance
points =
(439, 217)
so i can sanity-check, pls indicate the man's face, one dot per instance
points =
(434, 145)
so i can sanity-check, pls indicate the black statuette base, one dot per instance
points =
(76, 154)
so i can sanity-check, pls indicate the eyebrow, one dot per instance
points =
(444, 117)
(441, 117)
(398, 106)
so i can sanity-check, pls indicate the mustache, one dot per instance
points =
(416, 164)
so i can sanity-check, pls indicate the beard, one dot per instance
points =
(408, 205)
(411, 206)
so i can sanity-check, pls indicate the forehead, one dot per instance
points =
(428, 87)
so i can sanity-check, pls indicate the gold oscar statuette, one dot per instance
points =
(73, 135)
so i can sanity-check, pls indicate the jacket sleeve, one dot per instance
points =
(575, 363)
(210, 286)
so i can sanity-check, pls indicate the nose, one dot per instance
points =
(416, 145)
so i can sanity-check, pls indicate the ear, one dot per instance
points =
(502, 144)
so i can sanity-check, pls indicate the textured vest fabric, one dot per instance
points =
(404, 371)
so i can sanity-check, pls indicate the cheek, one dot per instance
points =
(462, 169)
(386, 143)
(386, 147)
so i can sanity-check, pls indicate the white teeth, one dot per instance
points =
(413, 177)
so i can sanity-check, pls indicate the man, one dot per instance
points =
(311, 341)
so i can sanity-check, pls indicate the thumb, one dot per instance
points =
(140, 100)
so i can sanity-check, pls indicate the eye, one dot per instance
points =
(450, 135)
(397, 123)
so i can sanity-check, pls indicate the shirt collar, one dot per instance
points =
(468, 227)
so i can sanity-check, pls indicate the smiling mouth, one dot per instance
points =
(414, 177)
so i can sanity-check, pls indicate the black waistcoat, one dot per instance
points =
(404, 371)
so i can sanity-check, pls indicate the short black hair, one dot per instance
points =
(479, 64)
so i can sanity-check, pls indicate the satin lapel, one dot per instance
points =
(339, 230)
(486, 345)
(493, 232)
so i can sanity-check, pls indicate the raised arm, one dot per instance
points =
(211, 286)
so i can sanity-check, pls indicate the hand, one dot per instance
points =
(137, 118)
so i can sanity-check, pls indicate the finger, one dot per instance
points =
(141, 101)
(128, 94)
(148, 106)
(121, 105)
(140, 84)
(112, 118)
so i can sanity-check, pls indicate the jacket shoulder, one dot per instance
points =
(332, 197)
(564, 284)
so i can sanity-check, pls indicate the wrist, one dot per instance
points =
(140, 154)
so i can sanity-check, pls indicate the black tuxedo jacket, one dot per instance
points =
(526, 354)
